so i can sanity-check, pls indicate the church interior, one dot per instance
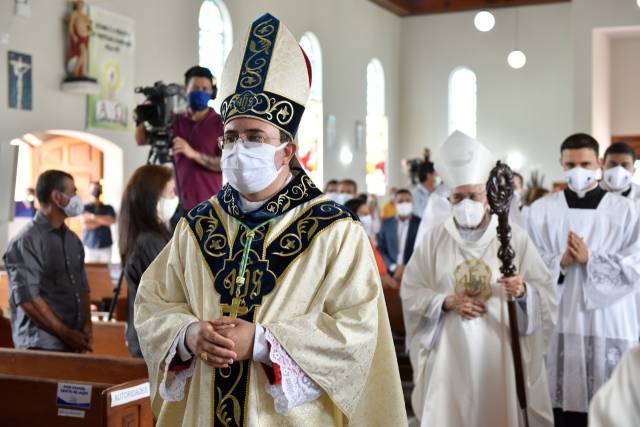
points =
(98, 89)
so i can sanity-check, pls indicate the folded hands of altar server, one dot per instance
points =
(465, 304)
(577, 251)
(208, 337)
(513, 286)
(577, 248)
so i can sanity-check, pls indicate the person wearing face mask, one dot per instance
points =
(97, 221)
(49, 292)
(455, 311)
(619, 167)
(268, 290)
(588, 239)
(347, 190)
(397, 235)
(195, 134)
(148, 203)
(331, 189)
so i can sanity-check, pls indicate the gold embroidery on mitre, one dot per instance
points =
(473, 277)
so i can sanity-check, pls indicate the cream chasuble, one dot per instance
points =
(463, 369)
(310, 279)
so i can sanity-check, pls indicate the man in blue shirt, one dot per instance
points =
(96, 236)
(427, 178)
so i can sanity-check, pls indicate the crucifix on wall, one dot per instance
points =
(20, 81)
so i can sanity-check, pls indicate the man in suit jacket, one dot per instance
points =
(398, 235)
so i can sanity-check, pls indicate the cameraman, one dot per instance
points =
(195, 141)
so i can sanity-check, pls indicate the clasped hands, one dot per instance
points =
(468, 304)
(225, 341)
(577, 251)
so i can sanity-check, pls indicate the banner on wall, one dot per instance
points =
(111, 62)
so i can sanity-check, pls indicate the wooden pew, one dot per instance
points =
(101, 286)
(108, 338)
(30, 384)
(4, 292)
(394, 309)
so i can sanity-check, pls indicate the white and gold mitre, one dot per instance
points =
(267, 76)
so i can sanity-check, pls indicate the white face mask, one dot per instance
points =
(167, 207)
(438, 181)
(75, 206)
(367, 223)
(250, 166)
(404, 209)
(579, 179)
(469, 213)
(333, 196)
(617, 179)
(342, 198)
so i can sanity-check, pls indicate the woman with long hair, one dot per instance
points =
(148, 203)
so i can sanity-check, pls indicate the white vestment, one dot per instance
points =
(463, 369)
(617, 403)
(598, 318)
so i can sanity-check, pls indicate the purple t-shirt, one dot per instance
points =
(198, 183)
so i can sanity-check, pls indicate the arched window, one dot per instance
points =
(310, 132)
(215, 35)
(462, 101)
(377, 135)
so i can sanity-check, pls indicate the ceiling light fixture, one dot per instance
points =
(485, 21)
(516, 58)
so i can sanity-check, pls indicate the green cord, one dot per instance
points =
(251, 232)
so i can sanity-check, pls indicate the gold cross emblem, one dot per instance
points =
(236, 308)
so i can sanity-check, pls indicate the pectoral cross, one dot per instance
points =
(236, 308)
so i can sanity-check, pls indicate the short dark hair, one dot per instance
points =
(578, 141)
(402, 191)
(424, 170)
(354, 204)
(620, 147)
(197, 71)
(332, 182)
(351, 182)
(49, 181)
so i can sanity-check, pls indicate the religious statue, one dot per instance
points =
(79, 27)
(79, 31)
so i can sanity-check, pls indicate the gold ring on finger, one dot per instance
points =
(204, 356)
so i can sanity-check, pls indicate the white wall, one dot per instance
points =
(526, 110)
(625, 86)
(587, 15)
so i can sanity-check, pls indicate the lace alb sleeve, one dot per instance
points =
(175, 379)
(610, 278)
(291, 386)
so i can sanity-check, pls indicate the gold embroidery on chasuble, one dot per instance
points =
(473, 277)
(246, 269)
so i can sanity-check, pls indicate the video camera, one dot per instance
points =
(157, 113)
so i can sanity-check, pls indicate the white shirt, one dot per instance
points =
(403, 232)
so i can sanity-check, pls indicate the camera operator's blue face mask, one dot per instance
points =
(198, 100)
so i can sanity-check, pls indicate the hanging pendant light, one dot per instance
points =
(485, 21)
(516, 58)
